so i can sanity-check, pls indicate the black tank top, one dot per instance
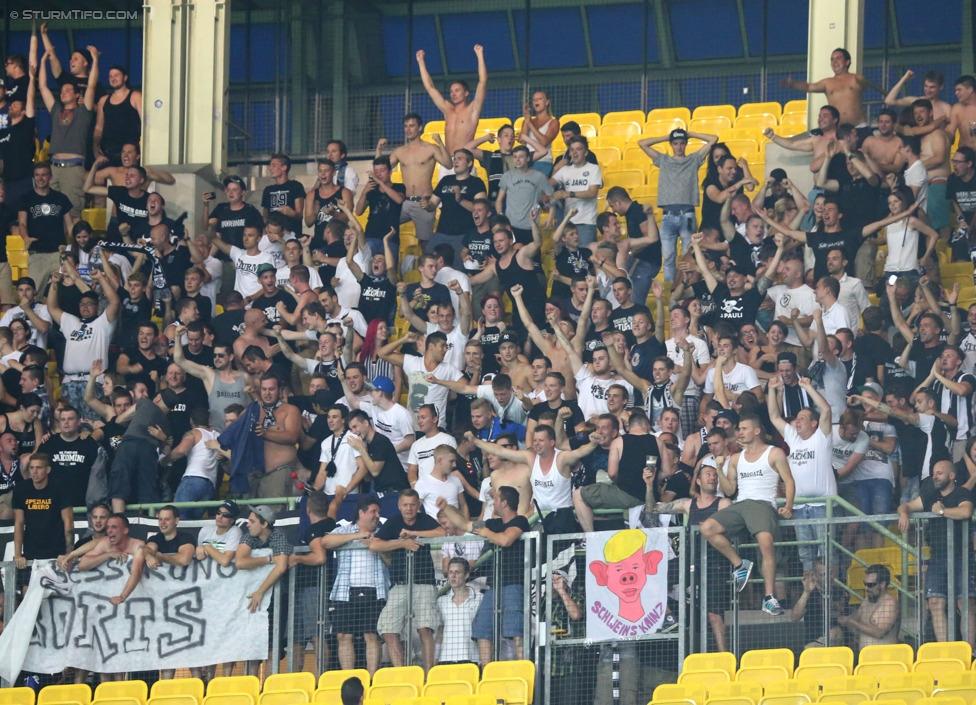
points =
(122, 126)
(26, 440)
(533, 294)
(633, 457)
(696, 514)
(323, 213)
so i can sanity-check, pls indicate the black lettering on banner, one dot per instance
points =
(95, 611)
(61, 612)
(139, 612)
(177, 611)
(226, 571)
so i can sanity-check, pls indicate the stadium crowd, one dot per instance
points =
(763, 380)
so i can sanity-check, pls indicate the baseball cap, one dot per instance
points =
(872, 387)
(777, 174)
(85, 53)
(384, 384)
(787, 356)
(678, 134)
(265, 512)
(729, 414)
(231, 508)
(508, 337)
(265, 267)
(235, 180)
(740, 269)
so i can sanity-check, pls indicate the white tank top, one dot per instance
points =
(551, 491)
(757, 480)
(201, 461)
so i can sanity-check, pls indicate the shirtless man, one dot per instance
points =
(877, 619)
(844, 89)
(279, 425)
(116, 546)
(546, 341)
(931, 87)
(935, 157)
(962, 117)
(506, 473)
(512, 365)
(131, 157)
(882, 148)
(253, 334)
(460, 116)
(827, 120)
(417, 160)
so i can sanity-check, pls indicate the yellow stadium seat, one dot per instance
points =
(468, 672)
(728, 700)
(642, 165)
(965, 679)
(899, 681)
(792, 699)
(705, 678)
(628, 179)
(290, 681)
(221, 685)
(939, 667)
(613, 118)
(633, 154)
(420, 700)
(794, 120)
(389, 692)
(617, 142)
(907, 695)
(442, 690)
(945, 700)
(743, 148)
(95, 217)
(807, 686)
(523, 669)
(512, 691)
(768, 657)
(709, 125)
(582, 118)
(587, 130)
(491, 126)
(846, 684)
(662, 128)
(484, 699)
(328, 696)
(848, 697)
(397, 675)
(230, 699)
(684, 691)
(19, 695)
(117, 701)
(435, 126)
(795, 106)
(887, 652)
(770, 107)
(122, 689)
(178, 687)
(605, 155)
(967, 694)
(710, 111)
(759, 121)
(284, 697)
(76, 693)
(841, 655)
(680, 113)
(429, 137)
(820, 671)
(626, 130)
(951, 649)
(735, 689)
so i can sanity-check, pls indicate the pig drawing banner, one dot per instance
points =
(626, 583)
(175, 618)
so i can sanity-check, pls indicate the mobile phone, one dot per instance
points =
(892, 279)
(212, 194)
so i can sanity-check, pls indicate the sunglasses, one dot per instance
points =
(870, 585)
(220, 355)
(225, 514)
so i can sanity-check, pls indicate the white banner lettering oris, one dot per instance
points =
(176, 617)
(626, 582)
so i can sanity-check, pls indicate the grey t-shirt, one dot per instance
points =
(146, 414)
(522, 193)
(70, 128)
(678, 182)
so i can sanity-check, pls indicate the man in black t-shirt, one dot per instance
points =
(834, 234)
(622, 317)
(395, 537)
(384, 200)
(455, 194)
(131, 199)
(270, 297)
(940, 495)
(229, 219)
(43, 522)
(17, 148)
(285, 196)
(378, 294)
(169, 545)
(45, 221)
(379, 456)
(72, 458)
(426, 293)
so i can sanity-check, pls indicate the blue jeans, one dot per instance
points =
(75, 393)
(587, 234)
(810, 532)
(671, 227)
(193, 489)
(640, 281)
(911, 489)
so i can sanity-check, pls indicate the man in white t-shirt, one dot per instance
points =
(916, 177)
(390, 418)
(498, 393)
(447, 324)
(446, 274)
(420, 461)
(594, 379)
(417, 369)
(874, 477)
(810, 462)
(28, 309)
(339, 463)
(578, 183)
(440, 484)
(680, 318)
(736, 377)
(246, 261)
(292, 254)
(849, 444)
(220, 539)
(793, 294)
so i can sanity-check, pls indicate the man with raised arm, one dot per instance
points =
(755, 474)
(845, 90)
(931, 87)
(224, 385)
(678, 192)
(809, 440)
(460, 116)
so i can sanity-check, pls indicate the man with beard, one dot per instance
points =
(877, 619)
(223, 384)
(118, 119)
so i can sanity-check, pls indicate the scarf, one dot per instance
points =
(269, 417)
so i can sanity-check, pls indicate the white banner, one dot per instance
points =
(626, 582)
(176, 617)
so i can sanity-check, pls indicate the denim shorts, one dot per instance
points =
(512, 614)
(937, 578)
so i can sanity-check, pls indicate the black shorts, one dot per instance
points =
(360, 614)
